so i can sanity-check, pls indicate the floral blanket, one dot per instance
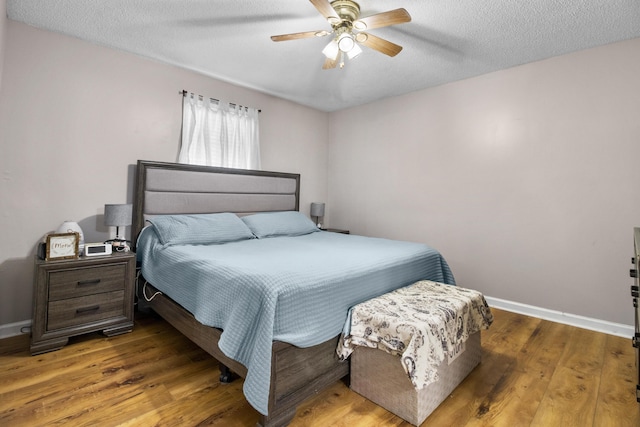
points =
(422, 323)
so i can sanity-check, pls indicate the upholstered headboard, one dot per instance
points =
(174, 188)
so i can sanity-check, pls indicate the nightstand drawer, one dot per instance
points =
(81, 310)
(85, 281)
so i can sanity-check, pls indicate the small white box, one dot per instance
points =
(380, 377)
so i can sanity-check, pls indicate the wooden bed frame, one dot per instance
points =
(170, 188)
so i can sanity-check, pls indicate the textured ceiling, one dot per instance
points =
(447, 40)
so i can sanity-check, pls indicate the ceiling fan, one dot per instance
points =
(348, 30)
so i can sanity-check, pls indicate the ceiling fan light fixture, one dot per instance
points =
(355, 51)
(347, 29)
(346, 42)
(331, 50)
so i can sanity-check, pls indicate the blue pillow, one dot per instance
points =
(200, 229)
(272, 224)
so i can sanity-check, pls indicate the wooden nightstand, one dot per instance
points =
(73, 297)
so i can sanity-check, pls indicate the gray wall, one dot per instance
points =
(526, 179)
(3, 34)
(74, 116)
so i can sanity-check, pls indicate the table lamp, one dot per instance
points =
(118, 216)
(317, 211)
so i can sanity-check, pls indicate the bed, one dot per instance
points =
(269, 308)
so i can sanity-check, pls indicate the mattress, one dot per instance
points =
(292, 289)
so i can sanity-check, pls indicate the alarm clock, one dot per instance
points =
(97, 249)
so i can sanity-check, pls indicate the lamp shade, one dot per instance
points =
(331, 50)
(118, 215)
(346, 42)
(317, 209)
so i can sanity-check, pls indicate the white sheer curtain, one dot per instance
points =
(215, 133)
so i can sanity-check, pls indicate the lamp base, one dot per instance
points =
(119, 245)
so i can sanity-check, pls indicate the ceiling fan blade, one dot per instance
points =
(381, 45)
(384, 19)
(326, 10)
(295, 36)
(329, 63)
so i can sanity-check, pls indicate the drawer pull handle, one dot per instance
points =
(88, 282)
(89, 309)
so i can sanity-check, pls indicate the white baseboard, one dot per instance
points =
(611, 328)
(618, 329)
(13, 329)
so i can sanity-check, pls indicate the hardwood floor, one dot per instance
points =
(533, 373)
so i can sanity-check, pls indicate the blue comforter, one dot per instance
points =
(292, 289)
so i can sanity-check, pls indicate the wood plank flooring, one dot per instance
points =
(533, 373)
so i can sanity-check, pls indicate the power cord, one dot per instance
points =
(144, 287)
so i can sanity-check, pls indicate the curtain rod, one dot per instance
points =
(185, 93)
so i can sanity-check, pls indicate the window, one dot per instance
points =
(216, 133)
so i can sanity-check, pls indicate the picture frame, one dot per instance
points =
(62, 246)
